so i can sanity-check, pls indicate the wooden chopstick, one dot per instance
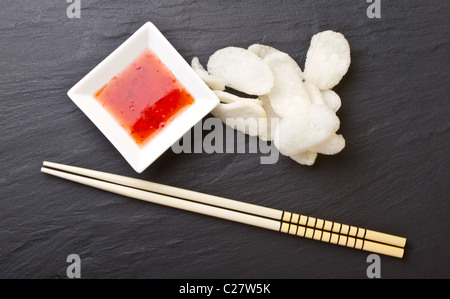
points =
(273, 219)
(278, 215)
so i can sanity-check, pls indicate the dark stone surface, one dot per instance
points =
(393, 175)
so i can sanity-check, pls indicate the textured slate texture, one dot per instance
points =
(393, 175)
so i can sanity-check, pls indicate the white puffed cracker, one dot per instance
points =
(288, 93)
(241, 70)
(307, 158)
(213, 82)
(314, 93)
(332, 99)
(331, 146)
(262, 50)
(301, 132)
(327, 59)
(245, 116)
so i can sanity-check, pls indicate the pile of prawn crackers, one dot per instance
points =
(277, 101)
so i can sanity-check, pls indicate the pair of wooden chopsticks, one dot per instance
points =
(268, 218)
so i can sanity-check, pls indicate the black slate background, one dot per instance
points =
(393, 175)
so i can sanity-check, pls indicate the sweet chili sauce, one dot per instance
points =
(144, 97)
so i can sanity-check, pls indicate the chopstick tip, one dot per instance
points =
(45, 170)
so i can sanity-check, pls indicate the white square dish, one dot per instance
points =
(147, 37)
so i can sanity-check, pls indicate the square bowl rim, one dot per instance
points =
(146, 37)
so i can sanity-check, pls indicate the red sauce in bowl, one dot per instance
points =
(144, 97)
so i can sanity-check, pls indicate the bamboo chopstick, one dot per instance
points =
(273, 219)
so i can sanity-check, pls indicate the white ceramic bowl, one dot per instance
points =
(147, 37)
